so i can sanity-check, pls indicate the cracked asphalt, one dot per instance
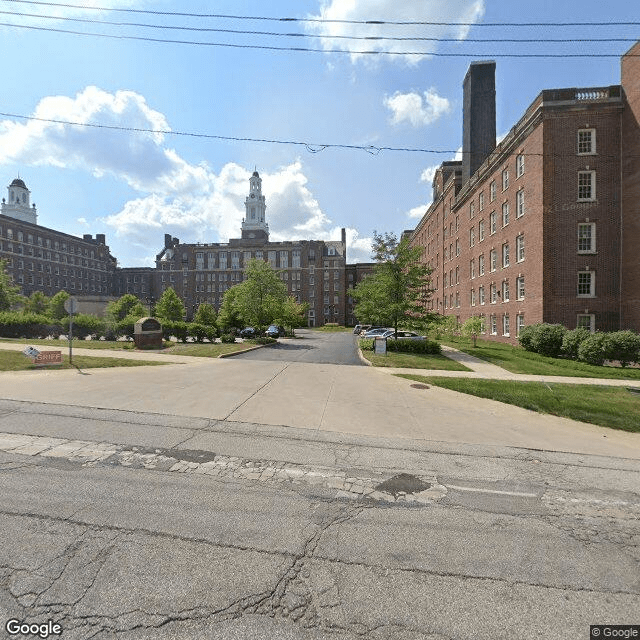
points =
(131, 524)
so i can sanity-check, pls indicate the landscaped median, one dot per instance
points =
(615, 407)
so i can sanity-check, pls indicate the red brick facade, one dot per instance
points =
(552, 213)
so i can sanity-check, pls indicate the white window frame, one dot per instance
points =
(481, 201)
(472, 268)
(492, 191)
(506, 327)
(472, 237)
(592, 284)
(592, 226)
(493, 222)
(520, 248)
(473, 297)
(592, 321)
(493, 325)
(481, 264)
(519, 323)
(519, 165)
(481, 230)
(493, 293)
(493, 260)
(582, 186)
(505, 179)
(505, 255)
(481, 295)
(520, 290)
(505, 291)
(592, 142)
(519, 203)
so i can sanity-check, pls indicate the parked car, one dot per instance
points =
(274, 331)
(248, 332)
(361, 328)
(372, 333)
(403, 335)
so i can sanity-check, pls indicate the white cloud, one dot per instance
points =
(469, 11)
(416, 109)
(428, 174)
(418, 212)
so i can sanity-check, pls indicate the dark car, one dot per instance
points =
(248, 332)
(274, 331)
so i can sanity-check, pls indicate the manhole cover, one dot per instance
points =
(403, 483)
(420, 386)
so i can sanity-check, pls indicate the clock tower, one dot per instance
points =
(254, 225)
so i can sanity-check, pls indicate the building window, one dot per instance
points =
(520, 288)
(505, 255)
(472, 268)
(586, 142)
(586, 321)
(505, 179)
(481, 201)
(505, 214)
(295, 258)
(519, 248)
(284, 259)
(481, 231)
(505, 291)
(272, 259)
(481, 294)
(519, 323)
(481, 265)
(223, 259)
(473, 297)
(519, 165)
(493, 324)
(520, 203)
(493, 260)
(492, 191)
(586, 185)
(457, 275)
(587, 237)
(472, 209)
(586, 284)
(472, 236)
(493, 293)
(505, 324)
(457, 247)
(493, 222)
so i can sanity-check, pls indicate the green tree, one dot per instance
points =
(56, 308)
(126, 305)
(206, 315)
(293, 314)
(261, 297)
(37, 302)
(472, 327)
(9, 293)
(170, 307)
(229, 316)
(397, 291)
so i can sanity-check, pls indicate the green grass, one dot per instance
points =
(330, 329)
(517, 360)
(77, 344)
(613, 407)
(17, 361)
(414, 361)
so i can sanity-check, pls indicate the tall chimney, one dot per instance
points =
(478, 116)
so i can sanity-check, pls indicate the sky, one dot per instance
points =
(184, 125)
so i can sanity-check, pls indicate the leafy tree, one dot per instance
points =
(229, 316)
(170, 307)
(261, 297)
(472, 328)
(293, 314)
(37, 302)
(9, 293)
(126, 305)
(399, 288)
(206, 315)
(56, 308)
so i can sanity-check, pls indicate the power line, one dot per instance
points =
(312, 49)
(329, 21)
(307, 35)
(311, 147)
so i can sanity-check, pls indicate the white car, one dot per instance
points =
(375, 332)
(402, 335)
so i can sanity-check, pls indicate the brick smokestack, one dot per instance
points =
(478, 116)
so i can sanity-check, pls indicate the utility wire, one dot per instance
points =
(330, 21)
(307, 35)
(310, 146)
(316, 50)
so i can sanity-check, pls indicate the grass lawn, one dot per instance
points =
(613, 407)
(330, 329)
(77, 344)
(414, 361)
(17, 361)
(517, 360)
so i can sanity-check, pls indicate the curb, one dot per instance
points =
(253, 348)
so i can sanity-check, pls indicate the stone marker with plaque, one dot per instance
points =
(147, 334)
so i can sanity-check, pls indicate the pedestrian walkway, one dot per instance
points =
(485, 370)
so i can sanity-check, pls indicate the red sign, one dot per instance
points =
(49, 357)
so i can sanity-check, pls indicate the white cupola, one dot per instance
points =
(255, 207)
(16, 205)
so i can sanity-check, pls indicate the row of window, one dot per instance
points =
(19, 236)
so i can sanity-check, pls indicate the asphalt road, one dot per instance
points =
(311, 346)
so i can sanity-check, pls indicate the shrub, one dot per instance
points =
(181, 330)
(545, 339)
(572, 341)
(197, 331)
(212, 333)
(594, 349)
(366, 345)
(623, 346)
(262, 340)
(413, 346)
(26, 325)
(227, 338)
(84, 325)
(526, 337)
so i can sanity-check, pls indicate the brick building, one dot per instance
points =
(42, 259)
(544, 226)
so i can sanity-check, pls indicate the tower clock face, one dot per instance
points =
(253, 195)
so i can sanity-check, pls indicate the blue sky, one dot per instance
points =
(135, 187)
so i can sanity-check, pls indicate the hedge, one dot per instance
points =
(405, 346)
(27, 325)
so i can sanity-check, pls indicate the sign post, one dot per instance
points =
(71, 307)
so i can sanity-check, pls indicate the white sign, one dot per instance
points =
(380, 345)
(71, 305)
(31, 352)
